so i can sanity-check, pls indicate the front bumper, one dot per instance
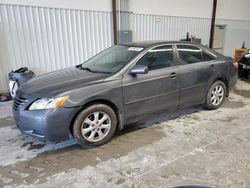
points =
(48, 125)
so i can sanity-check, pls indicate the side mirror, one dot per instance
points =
(139, 69)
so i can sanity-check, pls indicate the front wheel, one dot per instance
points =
(95, 125)
(216, 95)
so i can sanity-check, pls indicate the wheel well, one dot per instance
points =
(99, 101)
(225, 81)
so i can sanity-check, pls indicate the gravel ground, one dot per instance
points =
(189, 147)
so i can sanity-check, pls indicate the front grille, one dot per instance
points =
(18, 101)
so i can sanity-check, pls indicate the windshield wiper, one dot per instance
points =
(84, 68)
(90, 70)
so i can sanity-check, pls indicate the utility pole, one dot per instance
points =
(114, 21)
(213, 24)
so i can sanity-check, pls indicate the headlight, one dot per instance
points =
(47, 103)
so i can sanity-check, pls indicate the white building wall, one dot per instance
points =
(153, 27)
(47, 39)
(185, 8)
(47, 35)
(233, 10)
(226, 9)
(94, 5)
(188, 8)
(235, 15)
(236, 33)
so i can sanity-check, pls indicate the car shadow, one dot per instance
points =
(146, 123)
(159, 118)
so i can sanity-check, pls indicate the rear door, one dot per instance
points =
(196, 69)
(155, 91)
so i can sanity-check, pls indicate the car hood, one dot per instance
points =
(51, 84)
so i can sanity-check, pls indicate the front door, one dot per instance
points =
(156, 91)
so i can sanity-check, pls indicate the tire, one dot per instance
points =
(216, 95)
(95, 125)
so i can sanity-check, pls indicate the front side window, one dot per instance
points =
(112, 59)
(189, 54)
(158, 58)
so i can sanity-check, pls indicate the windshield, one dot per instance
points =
(112, 59)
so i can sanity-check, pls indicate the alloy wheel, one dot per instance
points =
(96, 126)
(217, 95)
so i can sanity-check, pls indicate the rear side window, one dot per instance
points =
(206, 56)
(158, 58)
(189, 54)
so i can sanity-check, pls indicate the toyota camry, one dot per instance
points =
(121, 85)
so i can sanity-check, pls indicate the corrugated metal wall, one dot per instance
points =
(153, 27)
(47, 39)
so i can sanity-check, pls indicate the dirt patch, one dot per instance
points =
(33, 146)
(52, 162)
(229, 119)
(243, 93)
(233, 104)
(7, 121)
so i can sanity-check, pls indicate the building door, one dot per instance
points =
(219, 35)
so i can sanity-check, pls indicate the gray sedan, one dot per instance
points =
(121, 85)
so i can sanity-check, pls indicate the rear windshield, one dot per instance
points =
(112, 59)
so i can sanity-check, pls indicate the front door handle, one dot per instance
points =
(173, 75)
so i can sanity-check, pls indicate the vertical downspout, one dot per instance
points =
(114, 21)
(119, 15)
(213, 24)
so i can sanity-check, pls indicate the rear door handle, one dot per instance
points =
(212, 67)
(173, 75)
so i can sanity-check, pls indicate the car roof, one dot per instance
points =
(149, 44)
(146, 44)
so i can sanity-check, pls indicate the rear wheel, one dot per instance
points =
(216, 95)
(95, 125)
